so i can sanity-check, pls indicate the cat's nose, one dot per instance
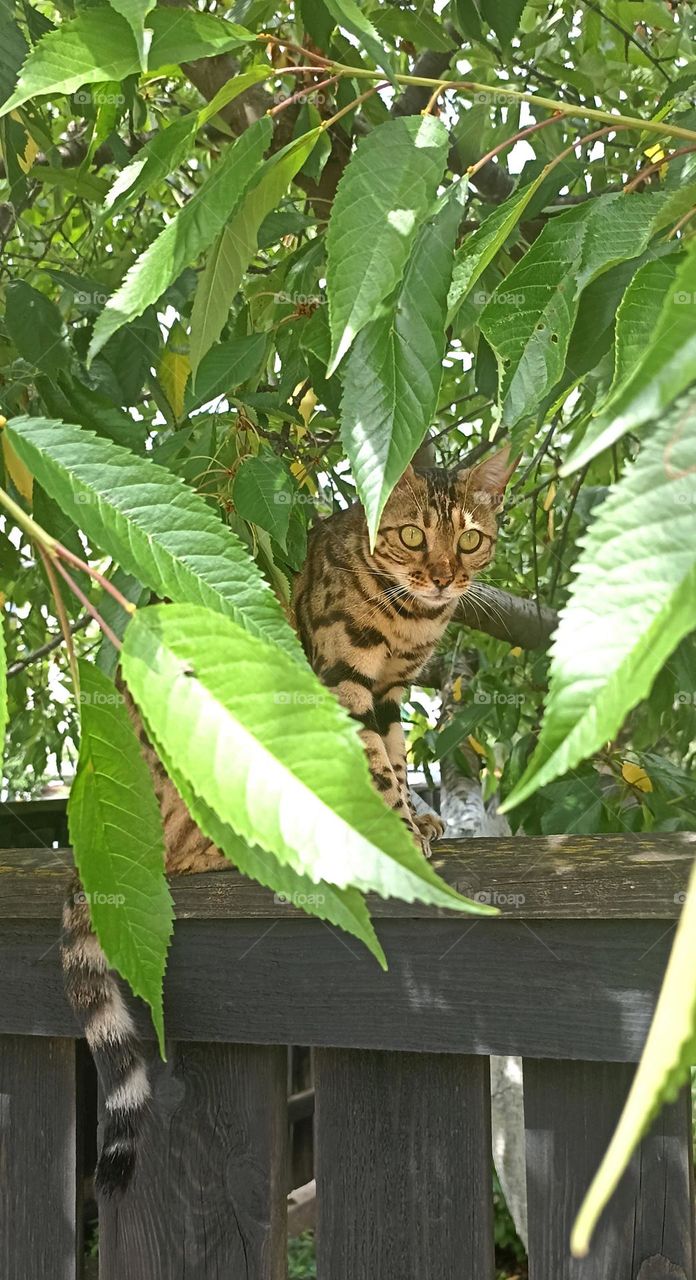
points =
(442, 577)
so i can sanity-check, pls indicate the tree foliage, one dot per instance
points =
(253, 259)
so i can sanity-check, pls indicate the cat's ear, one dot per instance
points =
(490, 476)
(409, 474)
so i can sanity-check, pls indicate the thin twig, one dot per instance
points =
(94, 613)
(516, 137)
(62, 617)
(305, 92)
(42, 652)
(97, 576)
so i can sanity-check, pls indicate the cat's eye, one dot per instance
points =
(412, 536)
(470, 540)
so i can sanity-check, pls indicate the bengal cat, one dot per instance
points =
(368, 621)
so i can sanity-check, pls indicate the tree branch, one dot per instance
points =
(508, 617)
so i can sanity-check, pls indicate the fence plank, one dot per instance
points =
(208, 1201)
(40, 1181)
(403, 1166)
(647, 1230)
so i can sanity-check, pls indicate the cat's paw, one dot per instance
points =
(429, 826)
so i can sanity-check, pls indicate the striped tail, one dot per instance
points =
(95, 997)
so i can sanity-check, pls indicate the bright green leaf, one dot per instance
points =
(666, 364)
(669, 1051)
(153, 525)
(394, 370)
(263, 492)
(236, 244)
(530, 316)
(225, 367)
(187, 235)
(271, 752)
(135, 12)
(633, 600)
(349, 15)
(382, 198)
(117, 836)
(234, 87)
(154, 162)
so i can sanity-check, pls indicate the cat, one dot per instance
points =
(368, 621)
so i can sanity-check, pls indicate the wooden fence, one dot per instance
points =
(567, 979)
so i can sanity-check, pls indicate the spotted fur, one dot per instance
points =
(368, 621)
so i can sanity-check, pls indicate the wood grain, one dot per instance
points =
(403, 1166)
(208, 1201)
(40, 1177)
(556, 877)
(647, 1230)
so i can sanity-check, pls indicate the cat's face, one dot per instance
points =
(439, 529)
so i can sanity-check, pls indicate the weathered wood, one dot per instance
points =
(556, 877)
(302, 1209)
(571, 1109)
(208, 1201)
(558, 989)
(403, 1166)
(40, 1176)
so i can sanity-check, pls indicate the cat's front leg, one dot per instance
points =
(427, 827)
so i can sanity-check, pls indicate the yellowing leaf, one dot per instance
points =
(31, 150)
(303, 477)
(457, 689)
(654, 154)
(20, 475)
(476, 746)
(516, 652)
(550, 495)
(175, 368)
(307, 405)
(635, 776)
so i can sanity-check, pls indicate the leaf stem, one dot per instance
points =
(305, 92)
(107, 586)
(317, 58)
(62, 617)
(94, 613)
(326, 124)
(516, 137)
(30, 527)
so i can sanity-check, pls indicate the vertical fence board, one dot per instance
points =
(647, 1230)
(208, 1201)
(403, 1166)
(40, 1177)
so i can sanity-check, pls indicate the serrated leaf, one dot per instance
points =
(13, 51)
(154, 162)
(99, 45)
(669, 1051)
(666, 364)
(343, 907)
(187, 235)
(20, 475)
(529, 318)
(135, 12)
(385, 193)
(35, 325)
(481, 246)
(117, 837)
(263, 492)
(271, 752)
(226, 366)
(236, 244)
(632, 601)
(234, 87)
(175, 368)
(394, 370)
(153, 525)
(349, 15)
(503, 18)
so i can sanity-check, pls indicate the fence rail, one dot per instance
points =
(567, 979)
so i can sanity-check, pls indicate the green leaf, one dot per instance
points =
(13, 51)
(35, 325)
(153, 525)
(343, 907)
(187, 235)
(669, 1051)
(631, 603)
(99, 45)
(481, 245)
(271, 752)
(225, 367)
(350, 16)
(236, 244)
(393, 373)
(238, 84)
(503, 18)
(529, 318)
(385, 193)
(263, 493)
(117, 836)
(665, 365)
(135, 12)
(154, 162)
(418, 26)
